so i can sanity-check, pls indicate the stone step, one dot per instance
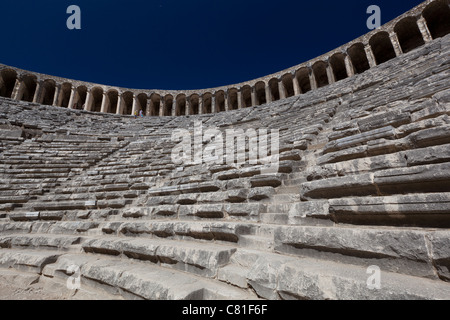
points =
(415, 251)
(426, 178)
(256, 242)
(274, 276)
(136, 279)
(41, 241)
(197, 258)
(420, 209)
(274, 218)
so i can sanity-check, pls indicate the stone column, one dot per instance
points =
(57, 100)
(312, 79)
(174, 107)
(297, 90)
(349, 66)
(147, 107)
(253, 95)
(105, 103)
(370, 56)
(17, 91)
(188, 106)
(88, 103)
(134, 107)
(161, 106)
(426, 34)
(281, 90)
(330, 74)
(200, 105)
(239, 99)
(213, 104)
(73, 91)
(225, 101)
(119, 104)
(268, 95)
(396, 44)
(37, 92)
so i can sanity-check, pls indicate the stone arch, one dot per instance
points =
(80, 98)
(155, 104)
(194, 104)
(28, 88)
(96, 99)
(288, 84)
(303, 80)
(233, 103)
(207, 103)
(180, 108)
(48, 92)
(246, 92)
(437, 16)
(358, 58)
(64, 95)
(337, 62)
(220, 101)
(382, 47)
(260, 90)
(141, 103)
(8, 79)
(112, 100)
(408, 34)
(127, 100)
(168, 103)
(320, 72)
(274, 89)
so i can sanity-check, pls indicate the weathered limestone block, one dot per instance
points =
(390, 118)
(355, 140)
(440, 241)
(32, 261)
(358, 185)
(266, 181)
(431, 137)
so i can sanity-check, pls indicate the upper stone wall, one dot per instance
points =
(413, 29)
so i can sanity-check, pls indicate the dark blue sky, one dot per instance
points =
(179, 44)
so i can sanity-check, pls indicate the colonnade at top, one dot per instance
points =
(415, 28)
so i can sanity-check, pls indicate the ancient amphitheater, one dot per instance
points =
(92, 205)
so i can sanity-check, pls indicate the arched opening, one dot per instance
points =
(337, 62)
(220, 101)
(29, 88)
(320, 73)
(97, 98)
(64, 95)
(288, 85)
(207, 103)
(180, 108)
(141, 100)
(408, 34)
(260, 89)
(48, 92)
(168, 103)
(127, 100)
(155, 103)
(358, 58)
(273, 88)
(7, 82)
(437, 16)
(246, 96)
(80, 98)
(194, 103)
(233, 99)
(382, 47)
(112, 99)
(304, 83)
